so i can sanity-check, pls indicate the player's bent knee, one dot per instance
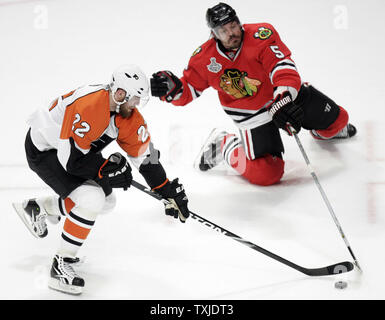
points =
(265, 171)
(89, 199)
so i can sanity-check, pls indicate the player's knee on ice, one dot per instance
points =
(264, 171)
(321, 112)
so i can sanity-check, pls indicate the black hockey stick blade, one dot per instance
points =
(337, 268)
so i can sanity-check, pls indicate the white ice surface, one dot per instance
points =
(136, 252)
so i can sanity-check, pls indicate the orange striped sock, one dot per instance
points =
(75, 230)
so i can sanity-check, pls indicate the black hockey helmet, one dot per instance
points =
(220, 14)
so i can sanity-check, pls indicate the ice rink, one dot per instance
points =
(51, 47)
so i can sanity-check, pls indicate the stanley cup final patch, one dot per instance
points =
(214, 66)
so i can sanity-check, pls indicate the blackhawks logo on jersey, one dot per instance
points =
(263, 33)
(237, 84)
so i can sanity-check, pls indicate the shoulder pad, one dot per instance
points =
(204, 47)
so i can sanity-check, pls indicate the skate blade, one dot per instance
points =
(21, 213)
(208, 140)
(55, 284)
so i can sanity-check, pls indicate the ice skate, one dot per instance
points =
(33, 215)
(210, 154)
(347, 132)
(63, 276)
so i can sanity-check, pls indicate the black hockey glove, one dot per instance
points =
(165, 85)
(117, 170)
(285, 113)
(174, 193)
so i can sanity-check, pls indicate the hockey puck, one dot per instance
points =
(340, 285)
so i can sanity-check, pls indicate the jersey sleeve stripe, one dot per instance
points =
(53, 104)
(254, 122)
(194, 93)
(68, 94)
(77, 97)
(284, 64)
(56, 101)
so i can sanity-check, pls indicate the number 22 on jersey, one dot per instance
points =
(85, 127)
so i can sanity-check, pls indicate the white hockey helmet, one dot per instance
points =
(131, 79)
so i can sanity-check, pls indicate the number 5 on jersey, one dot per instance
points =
(80, 131)
(279, 54)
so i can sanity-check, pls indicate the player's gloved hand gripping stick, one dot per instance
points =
(175, 200)
(286, 113)
(337, 268)
(117, 171)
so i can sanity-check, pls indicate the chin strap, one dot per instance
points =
(118, 104)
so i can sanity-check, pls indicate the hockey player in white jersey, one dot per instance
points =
(64, 148)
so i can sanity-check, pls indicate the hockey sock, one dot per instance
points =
(65, 206)
(229, 148)
(76, 228)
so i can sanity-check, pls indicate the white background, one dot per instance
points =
(51, 47)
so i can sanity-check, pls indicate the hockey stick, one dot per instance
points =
(325, 198)
(337, 268)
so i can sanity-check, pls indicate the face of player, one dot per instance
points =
(128, 104)
(230, 35)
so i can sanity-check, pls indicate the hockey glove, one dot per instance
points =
(117, 170)
(166, 86)
(285, 113)
(174, 193)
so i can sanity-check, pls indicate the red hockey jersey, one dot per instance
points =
(245, 81)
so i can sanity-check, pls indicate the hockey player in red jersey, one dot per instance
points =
(64, 148)
(259, 88)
